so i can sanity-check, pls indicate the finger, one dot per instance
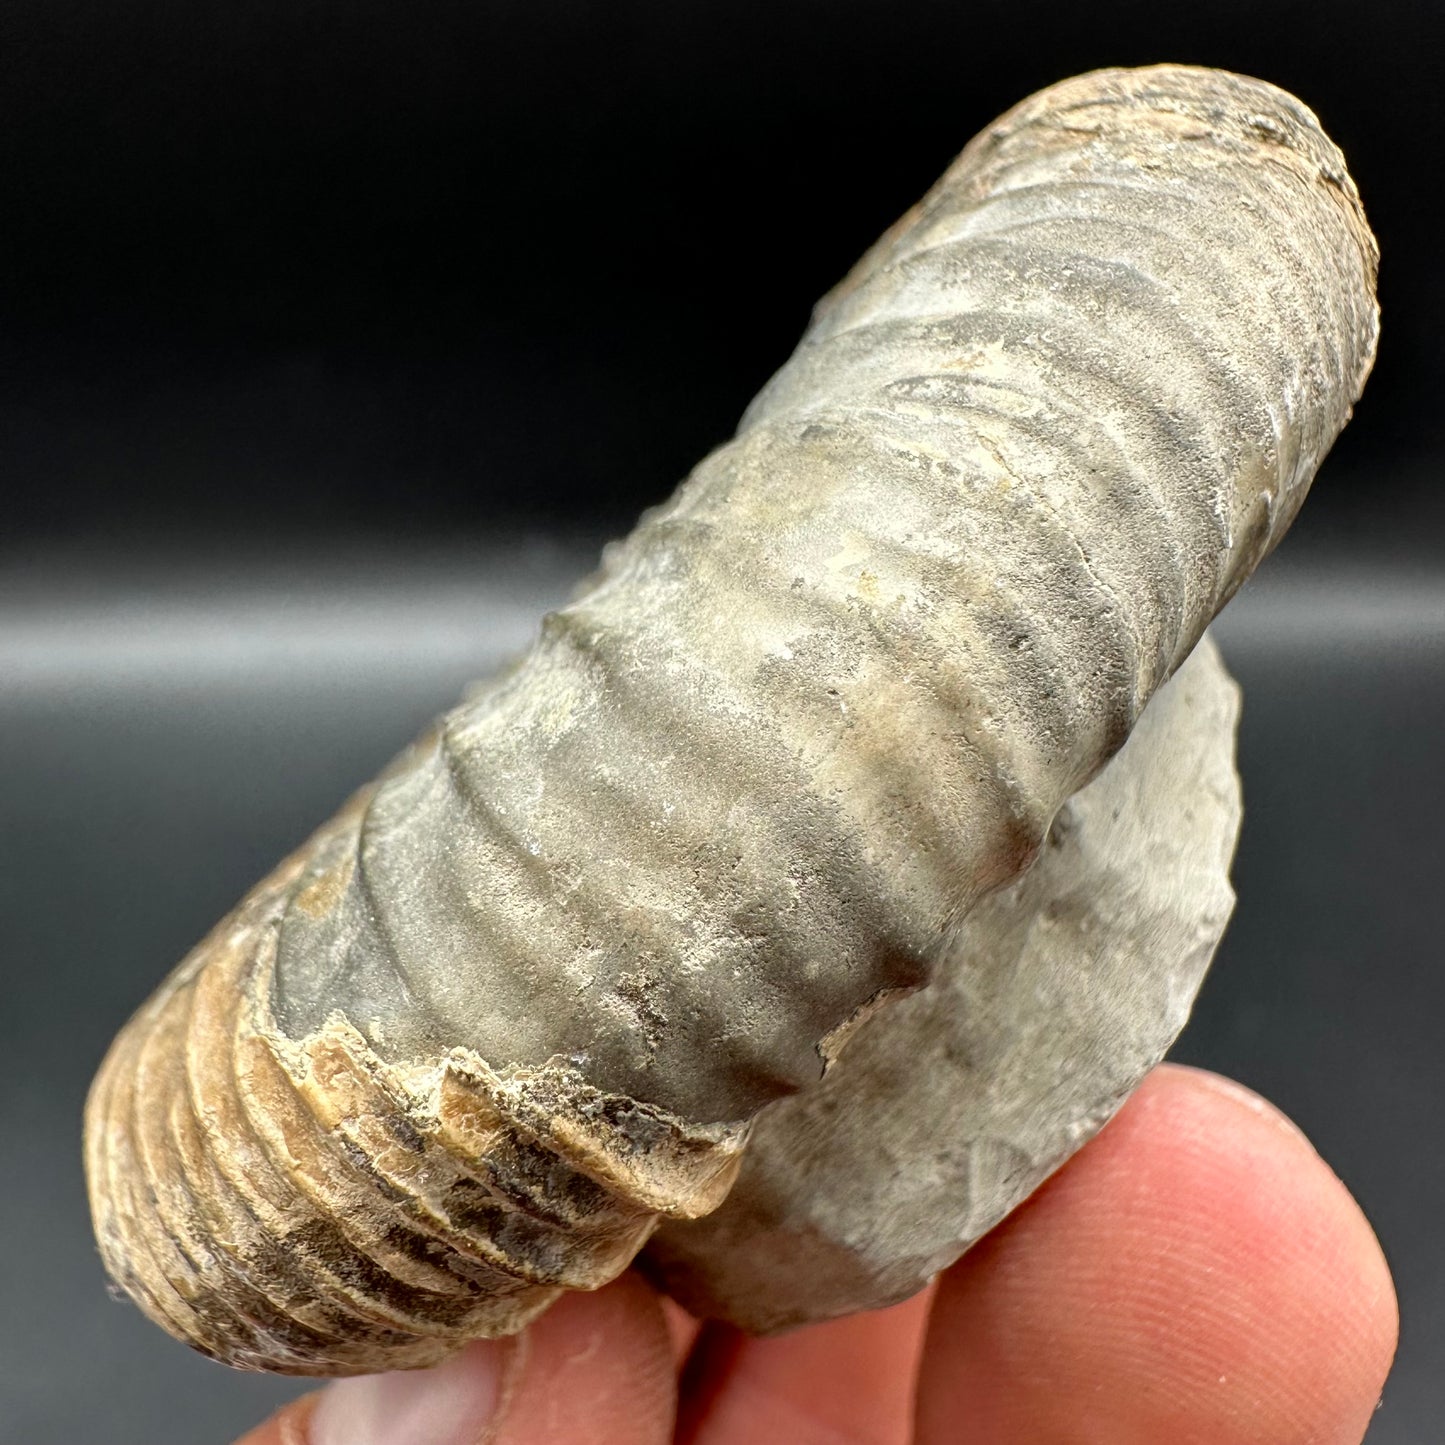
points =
(682, 1329)
(1196, 1274)
(847, 1382)
(599, 1369)
(596, 1368)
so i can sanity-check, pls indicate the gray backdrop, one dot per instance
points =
(167, 732)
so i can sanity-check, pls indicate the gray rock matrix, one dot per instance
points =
(949, 1107)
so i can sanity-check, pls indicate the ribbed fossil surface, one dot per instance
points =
(1058, 995)
(525, 994)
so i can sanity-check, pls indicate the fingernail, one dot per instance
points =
(451, 1404)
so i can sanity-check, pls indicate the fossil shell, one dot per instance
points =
(945, 1110)
(526, 994)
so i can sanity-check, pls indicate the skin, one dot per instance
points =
(1197, 1274)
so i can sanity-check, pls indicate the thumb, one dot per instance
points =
(596, 1367)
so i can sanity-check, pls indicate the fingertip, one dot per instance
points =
(288, 1426)
(1313, 1212)
(596, 1367)
(845, 1380)
(1289, 1211)
(682, 1328)
(1197, 1273)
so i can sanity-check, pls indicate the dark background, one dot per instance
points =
(294, 267)
(332, 340)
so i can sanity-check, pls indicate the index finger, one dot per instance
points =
(597, 1368)
(1196, 1274)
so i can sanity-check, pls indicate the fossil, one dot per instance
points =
(787, 758)
(1057, 996)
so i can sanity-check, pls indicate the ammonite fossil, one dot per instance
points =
(811, 778)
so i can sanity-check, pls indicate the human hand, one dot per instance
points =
(1195, 1276)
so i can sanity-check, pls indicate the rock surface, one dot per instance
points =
(946, 1108)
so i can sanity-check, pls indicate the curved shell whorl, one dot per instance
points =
(835, 690)
(527, 993)
(307, 1208)
(948, 1108)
